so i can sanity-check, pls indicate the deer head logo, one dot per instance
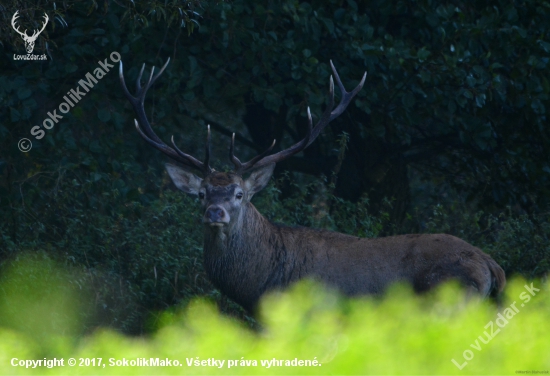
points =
(29, 40)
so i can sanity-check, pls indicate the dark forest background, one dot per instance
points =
(449, 134)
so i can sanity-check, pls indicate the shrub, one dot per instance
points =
(438, 333)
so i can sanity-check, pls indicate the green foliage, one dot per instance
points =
(521, 245)
(41, 299)
(399, 334)
(311, 205)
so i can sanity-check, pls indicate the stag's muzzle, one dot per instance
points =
(215, 215)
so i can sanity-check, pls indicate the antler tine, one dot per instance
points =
(346, 96)
(328, 115)
(262, 160)
(138, 101)
(319, 126)
(150, 81)
(162, 146)
(189, 158)
(240, 167)
(138, 81)
(232, 157)
(144, 127)
(206, 163)
(248, 165)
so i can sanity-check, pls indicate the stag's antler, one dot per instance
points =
(147, 132)
(240, 168)
(329, 115)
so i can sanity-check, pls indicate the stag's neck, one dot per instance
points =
(249, 257)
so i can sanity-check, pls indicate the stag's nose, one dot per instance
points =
(216, 215)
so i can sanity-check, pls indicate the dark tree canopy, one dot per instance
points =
(454, 89)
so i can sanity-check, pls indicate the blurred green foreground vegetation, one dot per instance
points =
(399, 334)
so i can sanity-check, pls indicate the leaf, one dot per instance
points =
(104, 115)
(538, 106)
(210, 87)
(545, 45)
(423, 54)
(339, 13)
(480, 100)
(461, 101)
(132, 194)
(522, 33)
(329, 24)
(353, 5)
(408, 99)
(451, 106)
(24, 92)
(95, 146)
(14, 115)
(70, 68)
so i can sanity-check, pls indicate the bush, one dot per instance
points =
(439, 333)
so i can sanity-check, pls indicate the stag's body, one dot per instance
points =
(255, 256)
(245, 255)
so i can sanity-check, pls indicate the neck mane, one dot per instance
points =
(246, 258)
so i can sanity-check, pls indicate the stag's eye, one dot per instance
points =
(201, 195)
(239, 195)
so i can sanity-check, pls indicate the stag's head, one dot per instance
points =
(225, 194)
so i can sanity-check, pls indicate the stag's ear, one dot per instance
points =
(184, 180)
(258, 179)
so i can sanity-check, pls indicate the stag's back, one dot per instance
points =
(366, 266)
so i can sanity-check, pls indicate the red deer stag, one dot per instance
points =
(246, 255)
